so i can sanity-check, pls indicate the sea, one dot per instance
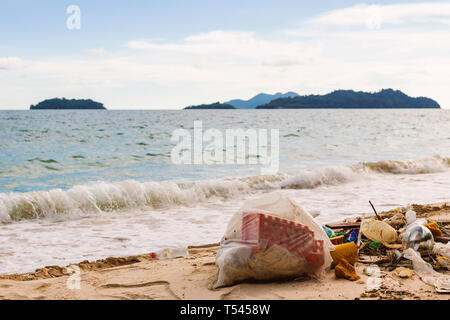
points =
(86, 185)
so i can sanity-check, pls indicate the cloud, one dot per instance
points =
(339, 49)
(392, 14)
(245, 45)
(96, 51)
(8, 63)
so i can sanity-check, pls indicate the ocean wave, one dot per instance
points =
(95, 197)
(428, 165)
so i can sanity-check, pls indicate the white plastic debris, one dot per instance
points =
(426, 272)
(442, 249)
(416, 234)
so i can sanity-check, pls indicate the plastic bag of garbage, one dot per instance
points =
(271, 237)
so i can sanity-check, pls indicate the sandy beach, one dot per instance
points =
(141, 277)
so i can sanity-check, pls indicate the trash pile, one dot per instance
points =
(397, 242)
(274, 238)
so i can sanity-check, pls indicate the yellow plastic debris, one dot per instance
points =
(403, 272)
(347, 251)
(346, 270)
(434, 228)
(377, 230)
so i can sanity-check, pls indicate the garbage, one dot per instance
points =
(443, 262)
(377, 230)
(403, 272)
(442, 286)
(271, 237)
(170, 253)
(434, 228)
(341, 233)
(330, 233)
(417, 236)
(396, 221)
(442, 239)
(411, 218)
(374, 244)
(337, 240)
(442, 249)
(347, 251)
(346, 270)
(353, 236)
(426, 272)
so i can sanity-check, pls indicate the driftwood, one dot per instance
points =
(442, 239)
(344, 225)
(376, 213)
(379, 260)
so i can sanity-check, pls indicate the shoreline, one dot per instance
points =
(143, 277)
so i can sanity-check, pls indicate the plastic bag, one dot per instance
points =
(416, 234)
(426, 272)
(442, 249)
(271, 237)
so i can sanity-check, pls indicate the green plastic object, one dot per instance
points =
(374, 244)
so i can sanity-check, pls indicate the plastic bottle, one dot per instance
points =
(171, 253)
(377, 230)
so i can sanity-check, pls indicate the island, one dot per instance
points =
(349, 99)
(259, 99)
(216, 105)
(66, 104)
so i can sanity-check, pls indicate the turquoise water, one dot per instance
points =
(43, 150)
(78, 185)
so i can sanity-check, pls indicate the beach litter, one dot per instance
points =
(272, 238)
(426, 272)
(347, 251)
(346, 270)
(379, 231)
(403, 272)
(170, 253)
(434, 228)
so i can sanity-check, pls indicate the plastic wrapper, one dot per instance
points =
(271, 238)
(426, 272)
(442, 249)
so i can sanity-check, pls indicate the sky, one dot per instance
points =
(170, 54)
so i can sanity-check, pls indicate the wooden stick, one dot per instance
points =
(344, 225)
(374, 210)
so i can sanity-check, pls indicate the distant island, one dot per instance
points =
(260, 99)
(216, 105)
(65, 104)
(349, 99)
